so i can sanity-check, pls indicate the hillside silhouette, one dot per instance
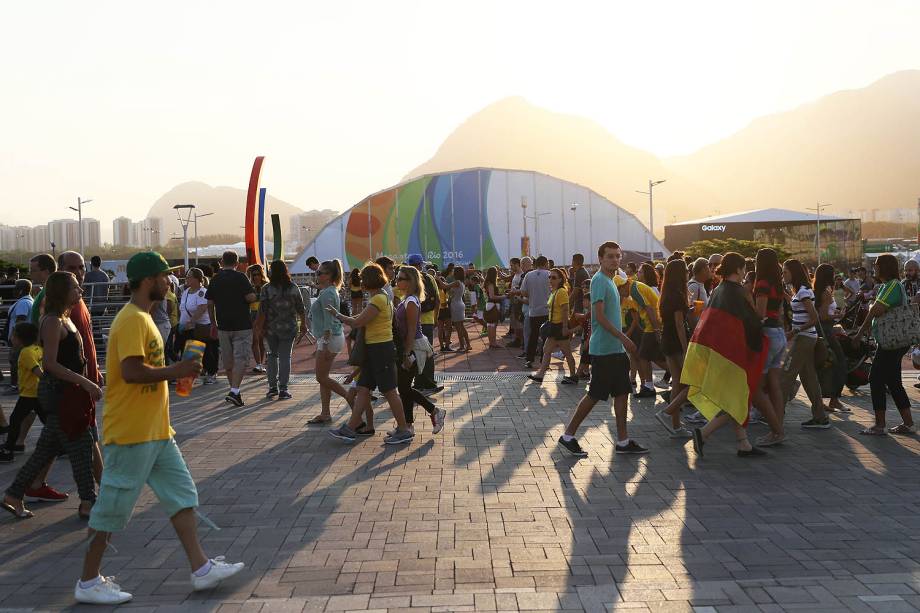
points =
(229, 207)
(857, 149)
(513, 133)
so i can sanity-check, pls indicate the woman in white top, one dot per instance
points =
(195, 323)
(800, 357)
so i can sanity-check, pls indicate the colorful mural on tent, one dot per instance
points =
(484, 216)
(441, 217)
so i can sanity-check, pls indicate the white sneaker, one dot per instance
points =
(439, 416)
(105, 591)
(219, 571)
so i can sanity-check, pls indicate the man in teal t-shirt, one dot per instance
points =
(608, 349)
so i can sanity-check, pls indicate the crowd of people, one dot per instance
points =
(734, 338)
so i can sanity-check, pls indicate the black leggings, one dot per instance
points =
(408, 394)
(51, 443)
(886, 375)
(23, 407)
(534, 340)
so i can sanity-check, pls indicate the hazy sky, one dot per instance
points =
(120, 102)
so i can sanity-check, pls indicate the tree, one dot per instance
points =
(705, 248)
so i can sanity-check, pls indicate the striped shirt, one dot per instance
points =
(800, 314)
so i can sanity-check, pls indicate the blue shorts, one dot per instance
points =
(777, 338)
(128, 468)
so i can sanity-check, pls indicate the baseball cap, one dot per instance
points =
(414, 259)
(145, 264)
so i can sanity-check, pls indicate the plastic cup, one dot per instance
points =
(698, 307)
(193, 350)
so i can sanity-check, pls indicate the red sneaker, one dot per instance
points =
(45, 493)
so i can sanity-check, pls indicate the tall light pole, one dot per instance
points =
(189, 210)
(79, 210)
(574, 209)
(196, 233)
(524, 219)
(20, 247)
(817, 209)
(651, 213)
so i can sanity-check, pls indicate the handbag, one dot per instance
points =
(200, 332)
(491, 315)
(358, 349)
(899, 327)
(76, 410)
(547, 328)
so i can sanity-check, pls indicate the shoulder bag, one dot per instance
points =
(899, 326)
(549, 329)
(200, 332)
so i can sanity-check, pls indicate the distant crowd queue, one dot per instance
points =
(734, 337)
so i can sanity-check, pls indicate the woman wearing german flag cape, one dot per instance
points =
(725, 359)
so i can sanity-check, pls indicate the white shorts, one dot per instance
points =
(335, 344)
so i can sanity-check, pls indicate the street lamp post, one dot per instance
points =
(651, 213)
(196, 233)
(524, 219)
(574, 209)
(79, 210)
(189, 211)
(817, 209)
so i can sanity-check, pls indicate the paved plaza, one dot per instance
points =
(490, 515)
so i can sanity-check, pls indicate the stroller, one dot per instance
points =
(858, 356)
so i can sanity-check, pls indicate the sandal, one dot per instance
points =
(535, 378)
(24, 514)
(319, 420)
(874, 431)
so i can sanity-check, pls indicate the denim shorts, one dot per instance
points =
(128, 468)
(777, 338)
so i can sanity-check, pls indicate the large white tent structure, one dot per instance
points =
(481, 215)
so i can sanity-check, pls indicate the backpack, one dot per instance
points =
(431, 293)
(8, 326)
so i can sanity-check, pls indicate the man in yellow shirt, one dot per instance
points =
(138, 439)
(646, 300)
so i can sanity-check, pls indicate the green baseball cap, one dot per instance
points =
(145, 264)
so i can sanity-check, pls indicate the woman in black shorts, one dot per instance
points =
(672, 309)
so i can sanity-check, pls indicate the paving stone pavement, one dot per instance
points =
(490, 516)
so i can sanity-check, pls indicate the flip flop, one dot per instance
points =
(319, 420)
(873, 432)
(25, 514)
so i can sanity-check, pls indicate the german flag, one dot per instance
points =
(726, 355)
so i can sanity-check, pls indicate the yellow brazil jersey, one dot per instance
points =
(627, 305)
(134, 412)
(427, 317)
(174, 314)
(644, 296)
(29, 358)
(558, 300)
(380, 328)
